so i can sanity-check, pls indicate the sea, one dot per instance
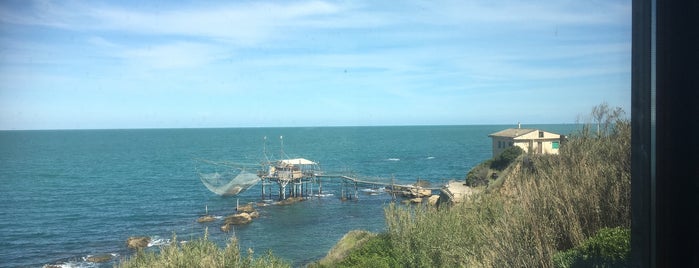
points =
(67, 195)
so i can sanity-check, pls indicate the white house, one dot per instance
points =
(539, 141)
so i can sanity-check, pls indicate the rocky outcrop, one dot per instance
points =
(457, 192)
(137, 242)
(207, 218)
(290, 200)
(100, 258)
(236, 219)
(433, 200)
(420, 192)
(246, 208)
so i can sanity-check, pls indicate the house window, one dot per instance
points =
(555, 144)
(541, 134)
(510, 144)
(499, 144)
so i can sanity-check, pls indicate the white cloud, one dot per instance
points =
(173, 55)
(247, 23)
(393, 53)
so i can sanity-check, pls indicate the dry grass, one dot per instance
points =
(201, 253)
(545, 205)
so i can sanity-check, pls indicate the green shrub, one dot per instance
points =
(201, 252)
(504, 159)
(610, 247)
(376, 252)
(478, 175)
(565, 259)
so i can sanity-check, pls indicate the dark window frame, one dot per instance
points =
(664, 87)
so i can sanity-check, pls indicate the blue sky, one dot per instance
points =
(121, 64)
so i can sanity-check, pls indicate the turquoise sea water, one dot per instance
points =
(69, 194)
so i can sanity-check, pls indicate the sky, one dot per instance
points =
(193, 64)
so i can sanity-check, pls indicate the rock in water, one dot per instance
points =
(433, 200)
(100, 258)
(207, 218)
(416, 200)
(419, 192)
(246, 208)
(238, 219)
(137, 242)
(290, 200)
(254, 214)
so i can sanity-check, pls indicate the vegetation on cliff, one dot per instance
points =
(547, 204)
(487, 171)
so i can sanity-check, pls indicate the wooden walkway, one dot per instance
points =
(376, 183)
(303, 187)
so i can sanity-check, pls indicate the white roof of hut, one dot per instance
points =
(297, 161)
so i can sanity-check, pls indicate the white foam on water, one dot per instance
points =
(74, 264)
(430, 157)
(83, 262)
(370, 190)
(157, 241)
(322, 195)
(393, 159)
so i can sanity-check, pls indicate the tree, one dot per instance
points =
(598, 113)
(605, 117)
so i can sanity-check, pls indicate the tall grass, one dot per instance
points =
(547, 204)
(203, 253)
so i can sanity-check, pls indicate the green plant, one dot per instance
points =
(478, 175)
(504, 159)
(201, 252)
(610, 247)
(375, 252)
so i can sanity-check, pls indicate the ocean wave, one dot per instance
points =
(157, 241)
(73, 264)
(393, 159)
(322, 195)
(89, 261)
(370, 190)
(430, 157)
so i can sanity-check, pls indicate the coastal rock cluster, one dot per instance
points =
(100, 258)
(432, 200)
(244, 215)
(206, 218)
(137, 242)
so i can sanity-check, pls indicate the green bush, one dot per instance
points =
(504, 159)
(376, 252)
(478, 175)
(610, 247)
(201, 252)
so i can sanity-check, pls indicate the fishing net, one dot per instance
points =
(226, 180)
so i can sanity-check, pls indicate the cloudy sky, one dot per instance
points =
(128, 64)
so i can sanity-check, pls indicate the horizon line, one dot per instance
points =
(306, 126)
